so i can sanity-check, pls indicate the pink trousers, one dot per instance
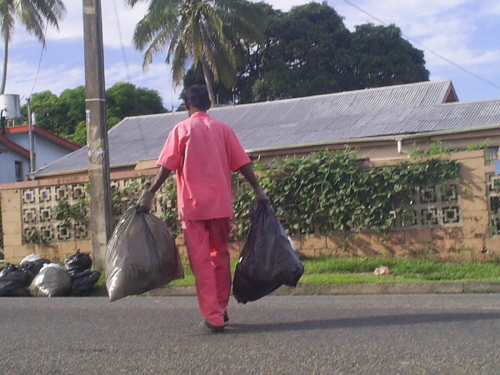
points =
(207, 247)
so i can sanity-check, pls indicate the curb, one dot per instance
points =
(354, 289)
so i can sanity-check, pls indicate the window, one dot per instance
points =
(19, 170)
(491, 154)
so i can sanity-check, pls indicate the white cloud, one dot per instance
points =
(23, 79)
(463, 31)
(285, 5)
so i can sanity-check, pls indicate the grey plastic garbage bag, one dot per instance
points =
(51, 281)
(140, 256)
(267, 260)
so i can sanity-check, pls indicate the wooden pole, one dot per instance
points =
(97, 132)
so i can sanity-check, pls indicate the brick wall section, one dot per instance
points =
(14, 249)
(470, 240)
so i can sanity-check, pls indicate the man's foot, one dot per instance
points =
(209, 328)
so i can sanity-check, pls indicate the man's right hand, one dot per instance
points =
(261, 197)
(145, 202)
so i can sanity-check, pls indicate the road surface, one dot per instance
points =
(292, 335)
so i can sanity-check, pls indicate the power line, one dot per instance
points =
(121, 41)
(39, 61)
(424, 47)
(139, 122)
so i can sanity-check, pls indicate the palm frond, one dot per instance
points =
(208, 31)
(179, 64)
(157, 44)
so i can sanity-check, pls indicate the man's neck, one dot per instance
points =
(192, 110)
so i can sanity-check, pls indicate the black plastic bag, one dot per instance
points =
(14, 282)
(51, 281)
(267, 260)
(141, 255)
(83, 282)
(77, 262)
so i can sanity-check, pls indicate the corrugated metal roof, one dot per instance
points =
(387, 111)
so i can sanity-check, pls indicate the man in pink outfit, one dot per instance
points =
(204, 151)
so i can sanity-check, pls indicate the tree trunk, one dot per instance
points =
(207, 74)
(5, 59)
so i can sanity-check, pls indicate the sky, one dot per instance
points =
(460, 40)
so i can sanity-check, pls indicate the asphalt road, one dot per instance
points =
(359, 334)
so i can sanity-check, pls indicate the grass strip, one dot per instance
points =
(359, 270)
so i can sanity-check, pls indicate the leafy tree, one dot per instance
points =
(80, 135)
(48, 111)
(208, 33)
(124, 99)
(65, 115)
(59, 115)
(308, 51)
(33, 15)
(303, 54)
(381, 57)
(73, 101)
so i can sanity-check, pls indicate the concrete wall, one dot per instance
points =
(14, 249)
(467, 239)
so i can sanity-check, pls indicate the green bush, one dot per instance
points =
(326, 191)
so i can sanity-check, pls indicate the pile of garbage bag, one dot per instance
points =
(37, 276)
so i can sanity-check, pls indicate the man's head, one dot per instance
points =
(197, 96)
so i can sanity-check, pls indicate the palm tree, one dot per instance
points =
(33, 14)
(206, 32)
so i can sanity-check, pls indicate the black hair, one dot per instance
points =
(197, 96)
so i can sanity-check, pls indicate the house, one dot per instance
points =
(382, 124)
(15, 154)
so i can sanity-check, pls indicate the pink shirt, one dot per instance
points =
(203, 151)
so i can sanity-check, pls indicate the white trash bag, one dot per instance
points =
(51, 281)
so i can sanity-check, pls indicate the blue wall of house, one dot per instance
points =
(8, 165)
(45, 150)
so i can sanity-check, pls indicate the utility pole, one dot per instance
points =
(97, 132)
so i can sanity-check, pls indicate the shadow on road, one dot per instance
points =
(368, 321)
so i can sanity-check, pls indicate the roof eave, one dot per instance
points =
(36, 175)
(396, 137)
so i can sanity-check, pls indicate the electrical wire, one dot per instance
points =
(39, 61)
(137, 120)
(121, 41)
(425, 48)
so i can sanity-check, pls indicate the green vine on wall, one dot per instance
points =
(322, 192)
(438, 147)
(326, 191)
(168, 206)
(69, 214)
